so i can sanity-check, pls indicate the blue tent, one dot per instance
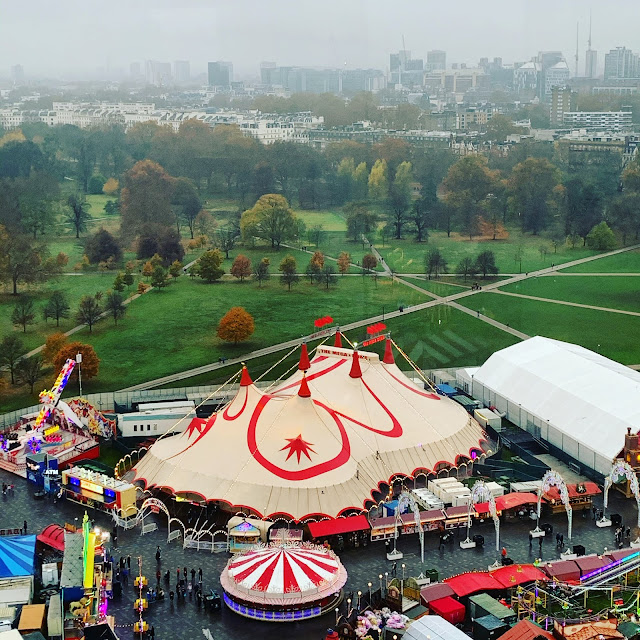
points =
(17, 556)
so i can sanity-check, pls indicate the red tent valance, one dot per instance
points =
(337, 526)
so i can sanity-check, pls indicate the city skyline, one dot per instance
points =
(358, 35)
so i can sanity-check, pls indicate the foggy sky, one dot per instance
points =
(64, 37)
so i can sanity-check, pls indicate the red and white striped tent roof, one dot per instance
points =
(295, 573)
(317, 445)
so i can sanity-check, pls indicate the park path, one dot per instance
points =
(566, 303)
(451, 300)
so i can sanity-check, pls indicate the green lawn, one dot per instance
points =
(627, 262)
(436, 286)
(407, 256)
(615, 292)
(330, 220)
(610, 334)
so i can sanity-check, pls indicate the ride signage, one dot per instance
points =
(366, 343)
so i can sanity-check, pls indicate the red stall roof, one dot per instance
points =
(433, 515)
(516, 499)
(591, 563)
(563, 570)
(467, 583)
(619, 554)
(339, 525)
(526, 630)
(449, 609)
(454, 512)
(53, 536)
(516, 574)
(590, 489)
(435, 591)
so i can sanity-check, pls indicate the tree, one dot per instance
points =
(209, 266)
(269, 219)
(57, 307)
(486, 263)
(420, 218)
(237, 325)
(11, 349)
(225, 240)
(467, 268)
(359, 220)
(369, 262)
(435, 264)
(289, 269)
(468, 184)
(89, 311)
(96, 184)
(146, 197)
(22, 260)
(345, 180)
(499, 127)
(29, 370)
(111, 208)
(316, 234)
(344, 261)
(23, 313)
(111, 187)
(206, 224)
(186, 203)
(601, 238)
(161, 240)
(378, 181)
(531, 184)
(114, 305)
(175, 269)
(78, 213)
(119, 283)
(241, 267)
(518, 255)
(400, 196)
(101, 246)
(327, 275)
(127, 278)
(147, 269)
(543, 249)
(159, 277)
(90, 361)
(317, 260)
(261, 271)
(624, 214)
(53, 345)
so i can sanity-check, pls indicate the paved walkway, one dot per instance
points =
(566, 303)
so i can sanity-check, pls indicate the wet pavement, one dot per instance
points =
(184, 620)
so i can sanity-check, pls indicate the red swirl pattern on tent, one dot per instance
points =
(302, 572)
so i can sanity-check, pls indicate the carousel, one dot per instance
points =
(283, 583)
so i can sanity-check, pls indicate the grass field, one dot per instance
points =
(627, 262)
(612, 335)
(615, 292)
(437, 337)
(436, 286)
(407, 256)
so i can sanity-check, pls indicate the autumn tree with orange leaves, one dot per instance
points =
(241, 267)
(236, 326)
(90, 361)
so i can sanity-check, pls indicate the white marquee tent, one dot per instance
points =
(319, 443)
(573, 398)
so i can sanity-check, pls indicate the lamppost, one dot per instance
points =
(382, 313)
(369, 593)
(386, 581)
(349, 609)
(380, 576)
(337, 616)
(402, 583)
(359, 596)
(79, 361)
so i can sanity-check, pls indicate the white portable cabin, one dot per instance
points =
(154, 420)
(486, 417)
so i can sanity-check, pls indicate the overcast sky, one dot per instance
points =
(64, 37)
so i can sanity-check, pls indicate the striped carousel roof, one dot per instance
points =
(300, 572)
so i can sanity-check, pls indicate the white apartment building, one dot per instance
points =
(600, 120)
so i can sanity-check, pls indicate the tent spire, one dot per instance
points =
(246, 380)
(338, 340)
(355, 372)
(304, 363)
(304, 391)
(388, 353)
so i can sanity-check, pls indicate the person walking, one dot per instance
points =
(152, 632)
(158, 554)
(530, 540)
(25, 527)
(540, 542)
(193, 575)
(178, 575)
(129, 562)
(394, 568)
(158, 576)
(185, 574)
(504, 552)
(199, 574)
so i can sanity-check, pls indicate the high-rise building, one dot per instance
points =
(404, 70)
(220, 74)
(436, 60)
(17, 74)
(158, 73)
(620, 63)
(267, 72)
(563, 100)
(181, 71)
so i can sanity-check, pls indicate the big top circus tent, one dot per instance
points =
(320, 444)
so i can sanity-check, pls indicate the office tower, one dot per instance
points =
(436, 60)
(181, 71)
(620, 63)
(17, 74)
(220, 74)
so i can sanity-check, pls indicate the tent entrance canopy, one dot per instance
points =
(338, 526)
